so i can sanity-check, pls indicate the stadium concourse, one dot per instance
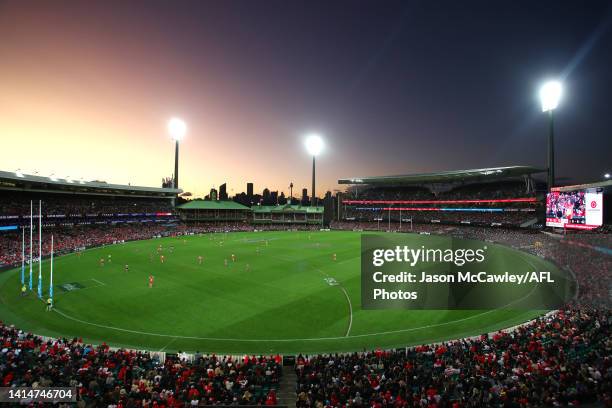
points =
(560, 359)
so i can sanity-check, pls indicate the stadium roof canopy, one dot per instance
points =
(17, 181)
(453, 176)
(212, 205)
(604, 185)
(286, 208)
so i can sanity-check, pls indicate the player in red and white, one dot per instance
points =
(151, 281)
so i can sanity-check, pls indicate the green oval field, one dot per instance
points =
(273, 298)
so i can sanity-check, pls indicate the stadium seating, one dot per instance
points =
(423, 205)
(107, 377)
(19, 204)
(557, 360)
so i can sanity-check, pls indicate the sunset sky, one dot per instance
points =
(394, 87)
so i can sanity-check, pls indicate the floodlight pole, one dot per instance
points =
(176, 164)
(551, 150)
(313, 201)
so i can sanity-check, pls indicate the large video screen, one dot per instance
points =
(580, 209)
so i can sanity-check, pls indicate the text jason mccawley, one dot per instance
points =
(464, 277)
(459, 257)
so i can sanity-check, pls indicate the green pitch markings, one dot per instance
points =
(280, 292)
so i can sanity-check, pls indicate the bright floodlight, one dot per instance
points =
(177, 128)
(550, 94)
(607, 175)
(314, 144)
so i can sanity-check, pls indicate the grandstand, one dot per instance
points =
(217, 211)
(499, 196)
(213, 211)
(75, 202)
(287, 214)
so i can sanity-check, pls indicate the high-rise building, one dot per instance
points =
(223, 192)
(213, 194)
(328, 208)
(266, 197)
(249, 191)
(274, 197)
(304, 196)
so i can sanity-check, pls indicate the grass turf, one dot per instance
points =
(280, 303)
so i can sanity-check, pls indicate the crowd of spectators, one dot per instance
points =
(69, 205)
(75, 238)
(507, 218)
(511, 214)
(124, 378)
(69, 239)
(474, 191)
(558, 360)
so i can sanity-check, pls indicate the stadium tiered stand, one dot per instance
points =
(213, 210)
(67, 202)
(500, 196)
(287, 214)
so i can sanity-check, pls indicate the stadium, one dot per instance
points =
(285, 276)
(380, 205)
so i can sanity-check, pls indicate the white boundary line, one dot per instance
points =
(429, 326)
(305, 339)
(348, 299)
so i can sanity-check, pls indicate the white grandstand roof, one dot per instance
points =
(51, 183)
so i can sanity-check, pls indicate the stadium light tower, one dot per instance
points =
(607, 176)
(177, 129)
(314, 145)
(550, 94)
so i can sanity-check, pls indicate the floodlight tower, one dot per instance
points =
(177, 129)
(314, 145)
(550, 94)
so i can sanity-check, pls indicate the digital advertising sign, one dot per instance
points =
(580, 209)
